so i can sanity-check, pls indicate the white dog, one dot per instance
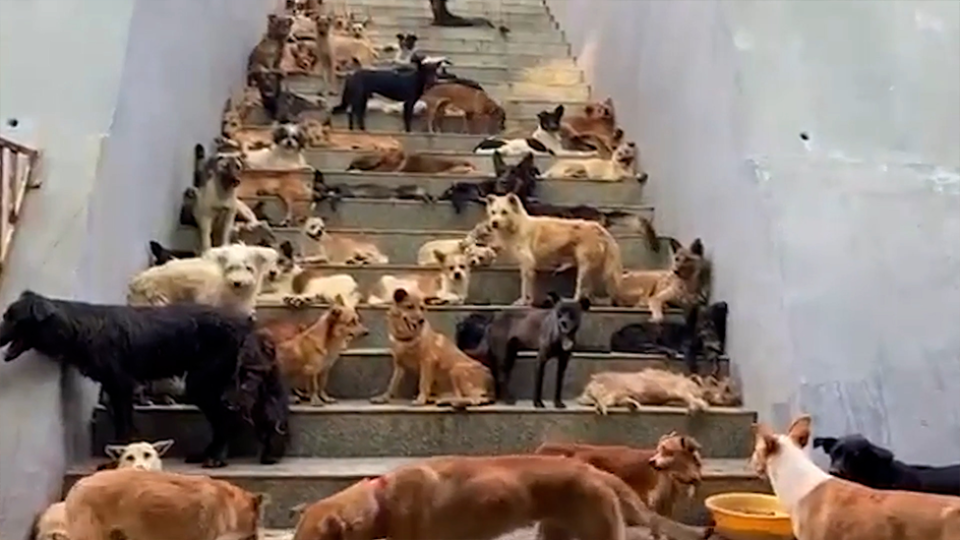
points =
(297, 286)
(546, 140)
(286, 154)
(476, 245)
(229, 276)
(622, 165)
(450, 285)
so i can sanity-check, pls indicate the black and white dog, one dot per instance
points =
(856, 459)
(545, 140)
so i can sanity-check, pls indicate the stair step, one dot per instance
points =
(297, 480)
(338, 160)
(473, 9)
(428, 34)
(596, 327)
(460, 4)
(518, 23)
(438, 142)
(549, 45)
(359, 428)
(485, 75)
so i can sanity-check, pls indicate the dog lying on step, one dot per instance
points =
(476, 245)
(322, 135)
(681, 285)
(450, 284)
(622, 165)
(285, 154)
(545, 140)
(317, 245)
(645, 387)
(405, 162)
(447, 375)
(288, 186)
(297, 287)
(608, 218)
(520, 179)
(597, 122)
(334, 193)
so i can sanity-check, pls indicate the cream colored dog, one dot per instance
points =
(297, 286)
(476, 246)
(449, 285)
(554, 243)
(622, 165)
(228, 276)
(319, 246)
(646, 387)
(285, 154)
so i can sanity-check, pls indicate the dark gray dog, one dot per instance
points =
(550, 330)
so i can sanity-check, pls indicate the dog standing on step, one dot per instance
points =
(545, 140)
(445, 370)
(213, 197)
(481, 113)
(450, 284)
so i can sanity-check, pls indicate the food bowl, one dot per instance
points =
(749, 516)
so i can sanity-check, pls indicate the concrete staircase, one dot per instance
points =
(335, 445)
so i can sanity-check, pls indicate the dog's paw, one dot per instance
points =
(559, 405)
(522, 302)
(213, 463)
(379, 400)
(295, 302)
(328, 399)
(267, 459)
(539, 404)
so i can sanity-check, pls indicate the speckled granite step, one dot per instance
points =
(338, 160)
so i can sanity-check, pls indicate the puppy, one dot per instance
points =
(286, 154)
(481, 113)
(403, 162)
(661, 477)
(680, 285)
(546, 242)
(213, 197)
(449, 285)
(298, 287)
(323, 136)
(227, 276)
(266, 55)
(621, 166)
(444, 369)
(477, 246)
(319, 246)
(551, 331)
(545, 140)
(854, 458)
(597, 121)
(406, 45)
(286, 185)
(311, 354)
(645, 387)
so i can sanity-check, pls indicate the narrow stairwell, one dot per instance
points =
(337, 444)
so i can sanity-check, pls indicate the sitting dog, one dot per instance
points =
(150, 505)
(323, 136)
(480, 112)
(406, 45)
(266, 55)
(227, 366)
(812, 498)
(854, 458)
(660, 476)
(483, 498)
(520, 179)
(296, 286)
(680, 285)
(336, 192)
(476, 246)
(317, 245)
(551, 331)
(285, 154)
(213, 197)
(398, 85)
(645, 387)
(546, 242)
(622, 165)
(447, 375)
(449, 285)
(405, 162)
(545, 140)
(288, 186)
(227, 276)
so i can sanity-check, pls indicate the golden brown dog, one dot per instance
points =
(404, 162)
(660, 476)
(597, 120)
(477, 245)
(482, 498)
(649, 386)
(246, 138)
(719, 392)
(555, 243)
(449, 284)
(298, 56)
(288, 186)
(309, 355)
(268, 52)
(322, 135)
(481, 113)
(622, 165)
(151, 505)
(445, 370)
(317, 245)
(823, 507)
(680, 285)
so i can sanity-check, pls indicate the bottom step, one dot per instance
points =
(297, 480)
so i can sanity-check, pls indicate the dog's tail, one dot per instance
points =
(612, 266)
(161, 255)
(636, 223)
(199, 155)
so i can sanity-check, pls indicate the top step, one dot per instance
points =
(457, 6)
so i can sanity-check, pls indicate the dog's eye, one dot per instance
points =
(128, 458)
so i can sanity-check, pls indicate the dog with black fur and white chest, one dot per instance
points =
(545, 140)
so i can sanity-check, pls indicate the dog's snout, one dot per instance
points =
(458, 275)
(237, 284)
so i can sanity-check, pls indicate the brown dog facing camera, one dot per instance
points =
(444, 369)
(681, 285)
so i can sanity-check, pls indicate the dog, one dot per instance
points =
(246, 138)
(470, 334)
(286, 185)
(286, 153)
(719, 392)
(317, 245)
(213, 197)
(823, 507)
(551, 331)
(405, 162)
(645, 387)
(398, 85)
(447, 375)
(661, 477)
(597, 123)
(545, 140)
(443, 17)
(520, 179)
(681, 285)
(311, 354)
(476, 245)
(546, 242)
(334, 193)
(227, 367)
(608, 218)
(450, 284)
(151, 505)
(406, 46)
(481, 113)
(483, 498)
(322, 135)
(354, 48)
(854, 458)
(227, 276)
(270, 87)
(622, 165)
(162, 255)
(299, 54)
(266, 55)
(297, 287)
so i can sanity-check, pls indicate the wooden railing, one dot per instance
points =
(18, 165)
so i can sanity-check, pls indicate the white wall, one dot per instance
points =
(117, 119)
(840, 256)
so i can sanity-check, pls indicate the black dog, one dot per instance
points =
(521, 179)
(397, 84)
(443, 17)
(856, 459)
(162, 255)
(550, 330)
(333, 194)
(470, 333)
(120, 346)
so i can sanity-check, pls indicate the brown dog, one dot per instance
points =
(823, 507)
(598, 120)
(323, 136)
(719, 392)
(318, 245)
(267, 54)
(483, 498)
(648, 386)
(288, 186)
(680, 285)
(481, 112)
(151, 505)
(660, 476)
(400, 161)
(444, 369)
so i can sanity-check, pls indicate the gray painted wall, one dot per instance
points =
(116, 119)
(840, 255)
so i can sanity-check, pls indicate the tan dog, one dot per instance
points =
(325, 64)
(354, 48)
(445, 370)
(298, 56)
(622, 165)
(287, 186)
(719, 392)
(246, 138)
(680, 285)
(480, 112)
(319, 246)
(299, 287)
(311, 354)
(483, 498)
(322, 135)
(150, 505)
(645, 387)
(598, 120)
(660, 476)
(554, 243)
(403, 162)
(823, 507)
(477, 246)
(449, 285)
(266, 55)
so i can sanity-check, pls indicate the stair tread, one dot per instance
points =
(602, 355)
(481, 307)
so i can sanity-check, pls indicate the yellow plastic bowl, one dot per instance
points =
(749, 513)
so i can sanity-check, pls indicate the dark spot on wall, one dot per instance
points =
(804, 136)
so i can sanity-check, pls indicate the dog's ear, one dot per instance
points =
(697, 248)
(286, 248)
(262, 256)
(799, 431)
(698, 379)
(440, 256)
(618, 136)
(588, 110)
(339, 301)
(400, 37)
(331, 528)
(881, 454)
(558, 112)
(827, 443)
(515, 202)
(689, 444)
(114, 451)
(399, 295)
(40, 307)
(675, 244)
(585, 304)
(552, 299)
(318, 179)
(764, 433)
(499, 166)
(162, 446)
(295, 511)
(527, 161)
(609, 104)
(260, 500)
